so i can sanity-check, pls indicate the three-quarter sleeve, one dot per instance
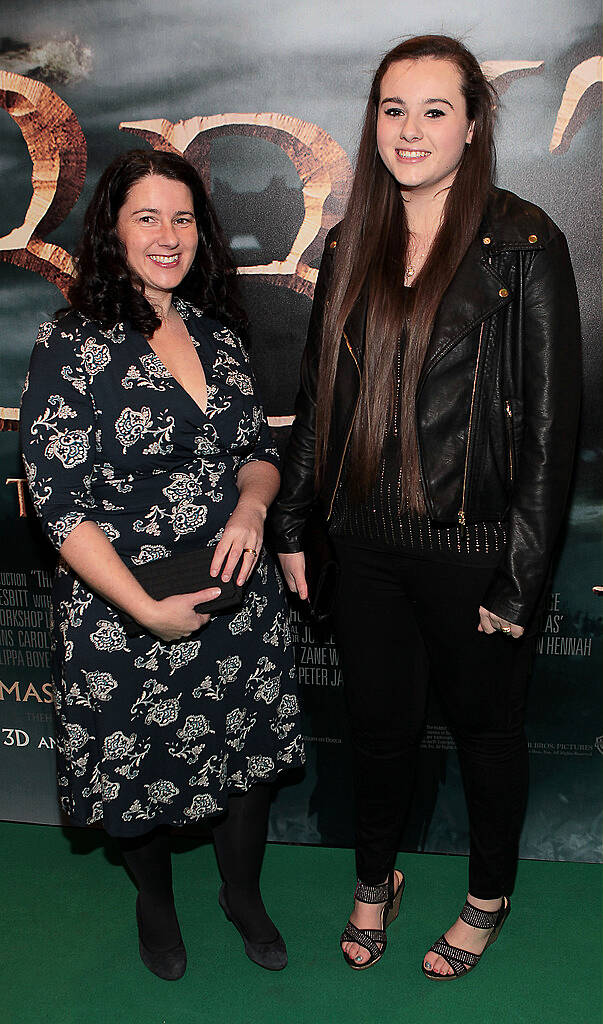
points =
(57, 434)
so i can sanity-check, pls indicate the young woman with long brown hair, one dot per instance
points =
(435, 427)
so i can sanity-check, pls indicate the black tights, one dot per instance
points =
(149, 860)
(239, 839)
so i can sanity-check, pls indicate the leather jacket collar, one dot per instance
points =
(477, 291)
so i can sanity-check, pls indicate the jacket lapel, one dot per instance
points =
(355, 326)
(472, 297)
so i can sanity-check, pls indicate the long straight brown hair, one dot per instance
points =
(371, 254)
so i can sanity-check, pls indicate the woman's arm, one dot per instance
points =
(550, 400)
(57, 431)
(258, 483)
(92, 556)
(297, 495)
(258, 479)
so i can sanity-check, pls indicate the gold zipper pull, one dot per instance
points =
(509, 413)
(461, 512)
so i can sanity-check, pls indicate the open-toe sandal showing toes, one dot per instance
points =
(374, 940)
(462, 961)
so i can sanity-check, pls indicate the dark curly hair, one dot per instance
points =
(105, 288)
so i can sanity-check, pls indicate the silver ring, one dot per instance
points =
(505, 629)
(427, 965)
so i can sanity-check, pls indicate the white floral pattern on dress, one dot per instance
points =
(150, 553)
(70, 447)
(149, 732)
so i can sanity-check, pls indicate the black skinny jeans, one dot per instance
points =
(405, 623)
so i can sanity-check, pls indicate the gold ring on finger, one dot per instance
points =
(250, 551)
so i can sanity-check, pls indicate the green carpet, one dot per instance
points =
(69, 945)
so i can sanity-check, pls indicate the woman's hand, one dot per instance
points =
(490, 622)
(175, 617)
(294, 571)
(258, 484)
(243, 535)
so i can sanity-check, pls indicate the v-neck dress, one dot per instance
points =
(148, 732)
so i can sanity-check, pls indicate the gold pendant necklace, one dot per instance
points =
(410, 271)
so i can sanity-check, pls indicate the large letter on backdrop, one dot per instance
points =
(322, 165)
(57, 148)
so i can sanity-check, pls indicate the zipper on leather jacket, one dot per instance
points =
(461, 511)
(509, 423)
(349, 433)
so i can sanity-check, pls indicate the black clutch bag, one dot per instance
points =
(324, 591)
(322, 570)
(184, 573)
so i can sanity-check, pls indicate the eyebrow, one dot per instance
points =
(150, 209)
(432, 99)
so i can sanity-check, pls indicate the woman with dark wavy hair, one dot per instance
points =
(107, 288)
(435, 429)
(143, 439)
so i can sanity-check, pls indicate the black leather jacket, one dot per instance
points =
(497, 401)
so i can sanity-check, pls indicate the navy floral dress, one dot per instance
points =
(149, 732)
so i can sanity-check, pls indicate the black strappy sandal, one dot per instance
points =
(461, 960)
(369, 938)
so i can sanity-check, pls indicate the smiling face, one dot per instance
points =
(158, 229)
(422, 124)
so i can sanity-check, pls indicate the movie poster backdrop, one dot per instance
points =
(80, 83)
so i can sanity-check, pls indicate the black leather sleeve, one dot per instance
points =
(296, 497)
(551, 400)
